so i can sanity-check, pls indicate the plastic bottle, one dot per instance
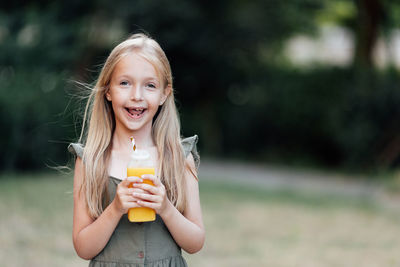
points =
(140, 163)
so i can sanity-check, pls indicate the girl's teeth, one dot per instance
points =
(135, 111)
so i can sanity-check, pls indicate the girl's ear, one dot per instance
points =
(108, 96)
(166, 93)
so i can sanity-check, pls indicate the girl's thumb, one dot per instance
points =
(132, 179)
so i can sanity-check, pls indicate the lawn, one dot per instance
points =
(245, 226)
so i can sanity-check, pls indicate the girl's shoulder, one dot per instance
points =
(189, 145)
(76, 149)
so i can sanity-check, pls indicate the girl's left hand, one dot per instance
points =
(153, 197)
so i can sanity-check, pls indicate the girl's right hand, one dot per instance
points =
(124, 199)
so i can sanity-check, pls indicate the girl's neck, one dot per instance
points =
(121, 139)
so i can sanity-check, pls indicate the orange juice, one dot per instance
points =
(141, 214)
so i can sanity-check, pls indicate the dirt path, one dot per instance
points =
(303, 181)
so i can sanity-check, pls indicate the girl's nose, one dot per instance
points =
(137, 94)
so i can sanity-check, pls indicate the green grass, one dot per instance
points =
(36, 221)
(245, 226)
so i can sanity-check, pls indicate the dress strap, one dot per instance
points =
(189, 145)
(76, 149)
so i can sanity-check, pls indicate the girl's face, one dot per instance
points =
(135, 93)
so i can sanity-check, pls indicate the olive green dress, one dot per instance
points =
(140, 244)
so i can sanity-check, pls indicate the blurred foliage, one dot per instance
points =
(231, 88)
(317, 117)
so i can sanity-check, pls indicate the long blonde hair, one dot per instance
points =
(99, 125)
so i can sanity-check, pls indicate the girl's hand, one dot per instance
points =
(154, 197)
(124, 199)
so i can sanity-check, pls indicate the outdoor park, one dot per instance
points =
(296, 105)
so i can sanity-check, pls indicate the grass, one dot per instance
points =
(245, 226)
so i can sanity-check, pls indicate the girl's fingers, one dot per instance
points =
(137, 190)
(128, 202)
(132, 205)
(152, 178)
(126, 195)
(149, 188)
(124, 183)
(129, 180)
(125, 191)
(146, 204)
(148, 197)
(129, 198)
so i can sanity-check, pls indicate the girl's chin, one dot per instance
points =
(135, 125)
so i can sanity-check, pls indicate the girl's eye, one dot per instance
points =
(150, 85)
(124, 83)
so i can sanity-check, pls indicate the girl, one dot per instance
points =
(133, 96)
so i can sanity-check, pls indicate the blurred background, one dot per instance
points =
(298, 99)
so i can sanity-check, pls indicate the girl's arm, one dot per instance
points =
(90, 236)
(187, 229)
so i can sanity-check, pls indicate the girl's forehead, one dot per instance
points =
(134, 64)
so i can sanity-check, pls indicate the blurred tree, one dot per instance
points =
(370, 15)
(39, 44)
(212, 46)
(231, 85)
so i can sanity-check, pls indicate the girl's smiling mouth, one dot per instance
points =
(136, 113)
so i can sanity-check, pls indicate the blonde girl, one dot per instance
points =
(134, 96)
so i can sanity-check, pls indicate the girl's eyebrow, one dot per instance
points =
(131, 77)
(116, 76)
(127, 76)
(152, 79)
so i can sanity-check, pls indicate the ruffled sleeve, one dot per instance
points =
(189, 145)
(76, 149)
